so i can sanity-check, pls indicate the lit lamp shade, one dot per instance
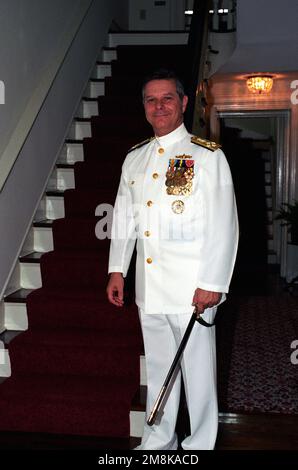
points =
(259, 83)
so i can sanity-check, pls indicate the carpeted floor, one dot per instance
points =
(254, 336)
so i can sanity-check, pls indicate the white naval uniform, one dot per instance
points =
(176, 253)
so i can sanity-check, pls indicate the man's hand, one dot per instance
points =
(115, 289)
(203, 299)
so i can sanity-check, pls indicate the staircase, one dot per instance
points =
(78, 368)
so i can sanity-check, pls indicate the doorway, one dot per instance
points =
(255, 144)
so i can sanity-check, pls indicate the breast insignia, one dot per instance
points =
(139, 145)
(208, 144)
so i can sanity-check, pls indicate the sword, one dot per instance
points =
(156, 407)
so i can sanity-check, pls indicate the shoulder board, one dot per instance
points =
(144, 142)
(208, 144)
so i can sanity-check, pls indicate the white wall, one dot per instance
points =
(31, 32)
(35, 42)
(147, 15)
(267, 37)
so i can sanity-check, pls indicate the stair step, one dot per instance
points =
(56, 352)
(143, 374)
(72, 151)
(137, 413)
(33, 257)
(19, 296)
(65, 165)
(55, 204)
(5, 368)
(30, 274)
(109, 54)
(65, 177)
(107, 399)
(80, 128)
(95, 88)
(43, 235)
(15, 310)
(102, 70)
(88, 107)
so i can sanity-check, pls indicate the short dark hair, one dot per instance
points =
(165, 74)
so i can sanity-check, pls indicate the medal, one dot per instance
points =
(178, 206)
(179, 176)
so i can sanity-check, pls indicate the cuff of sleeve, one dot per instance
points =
(116, 269)
(223, 289)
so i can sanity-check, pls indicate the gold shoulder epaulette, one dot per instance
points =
(208, 144)
(144, 142)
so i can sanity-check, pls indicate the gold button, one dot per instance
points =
(147, 233)
(149, 203)
(155, 175)
(161, 151)
(149, 260)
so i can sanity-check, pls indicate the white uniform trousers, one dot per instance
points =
(162, 335)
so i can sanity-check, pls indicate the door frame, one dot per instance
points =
(284, 181)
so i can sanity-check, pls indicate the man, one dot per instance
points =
(176, 198)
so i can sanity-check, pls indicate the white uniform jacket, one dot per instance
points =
(184, 240)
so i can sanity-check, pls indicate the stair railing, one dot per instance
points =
(197, 53)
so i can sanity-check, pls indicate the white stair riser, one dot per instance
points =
(30, 276)
(2, 316)
(109, 55)
(79, 130)
(87, 109)
(268, 201)
(143, 374)
(5, 369)
(15, 316)
(72, 153)
(102, 71)
(95, 89)
(268, 190)
(269, 215)
(43, 239)
(65, 178)
(90, 108)
(55, 207)
(136, 421)
(267, 166)
(270, 245)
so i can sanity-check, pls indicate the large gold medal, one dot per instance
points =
(178, 207)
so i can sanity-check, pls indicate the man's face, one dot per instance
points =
(163, 107)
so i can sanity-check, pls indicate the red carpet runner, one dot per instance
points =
(77, 368)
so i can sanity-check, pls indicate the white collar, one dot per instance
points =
(174, 136)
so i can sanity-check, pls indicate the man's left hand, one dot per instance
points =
(203, 299)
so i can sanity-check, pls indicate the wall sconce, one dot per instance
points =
(259, 83)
